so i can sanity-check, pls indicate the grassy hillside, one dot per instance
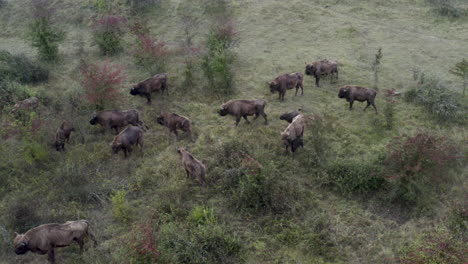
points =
(335, 201)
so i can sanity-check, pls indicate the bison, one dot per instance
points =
(62, 135)
(290, 116)
(115, 119)
(358, 93)
(193, 167)
(156, 83)
(292, 135)
(244, 108)
(130, 136)
(45, 238)
(27, 104)
(174, 121)
(322, 68)
(285, 82)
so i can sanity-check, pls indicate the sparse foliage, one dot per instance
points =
(108, 31)
(21, 69)
(376, 67)
(461, 70)
(151, 54)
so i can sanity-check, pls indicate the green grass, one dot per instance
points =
(275, 37)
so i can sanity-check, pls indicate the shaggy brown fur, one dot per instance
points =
(193, 167)
(27, 104)
(130, 136)
(157, 83)
(45, 238)
(62, 135)
(174, 121)
(115, 119)
(357, 93)
(322, 68)
(290, 116)
(292, 135)
(287, 81)
(244, 108)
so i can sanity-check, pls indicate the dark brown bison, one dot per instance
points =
(124, 141)
(174, 121)
(45, 238)
(292, 135)
(156, 83)
(290, 116)
(193, 167)
(62, 135)
(27, 104)
(322, 68)
(244, 108)
(115, 119)
(287, 81)
(358, 93)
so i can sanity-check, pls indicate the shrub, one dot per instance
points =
(21, 69)
(42, 34)
(151, 54)
(438, 100)
(415, 165)
(201, 216)
(217, 61)
(447, 8)
(458, 220)
(10, 93)
(141, 5)
(354, 177)
(120, 208)
(101, 84)
(190, 62)
(461, 70)
(140, 245)
(389, 109)
(108, 31)
(435, 247)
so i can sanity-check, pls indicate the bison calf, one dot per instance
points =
(244, 108)
(62, 135)
(290, 116)
(287, 81)
(193, 167)
(322, 68)
(174, 121)
(130, 136)
(154, 84)
(360, 94)
(115, 119)
(292, 135)
(45, 238)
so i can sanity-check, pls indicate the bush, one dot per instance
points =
(108, 32)
(101, 84)
(417, 165)
(140, 245)
(120, 208)
(11, 92)
(21, 69)
(42, 34)
(151, 54)
(354, 177)
(439, 101)
(141, 5)
(458, 220)
(447, 8)
(217, 61)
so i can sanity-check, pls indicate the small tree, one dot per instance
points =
(151, 54)
(461, 70)
(42, 34)
(376, 67)
(101, 83)
(108, 32)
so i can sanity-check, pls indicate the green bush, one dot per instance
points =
(120, 207)
(458, 220)
(354, 176)
(108, 31)
(447, 8)
(21, 69)
(439, 101)
(11, 93)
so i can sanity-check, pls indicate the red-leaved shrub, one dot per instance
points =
(141, 245)
(101, 83)
(151, 54)
(108, 31)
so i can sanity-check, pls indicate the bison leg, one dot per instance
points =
(375, 108)
(246, 120)
(188, 173)
(81, 244)
(264, 117)
(302, 88)
(317, 81)
(238, 118)
(125, 152)
(51, 256)
(148, 98)
(368, 104)
(92, 237)
(351, 105)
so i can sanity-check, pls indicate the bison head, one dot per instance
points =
(21, 245)
(223, 111)
(273, 86)
(116, 146)
(134, 91)
(93, 120)
(181, 150)
(344, 92)
(310, 69)
(160, 120)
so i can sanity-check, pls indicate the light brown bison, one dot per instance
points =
(130, 136)
(62, 135)
(193, 167)
(115, 119)
(174, 121)
(27, 104)
(244, 108)
(322, 68)
(156, 83)
(292, 135)
(290, 116)
(358, 93)
(45, 238)
(287, 81)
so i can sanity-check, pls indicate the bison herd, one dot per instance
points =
(130, 130)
